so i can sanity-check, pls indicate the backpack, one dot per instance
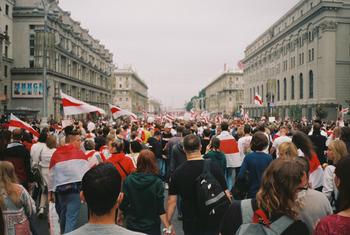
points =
(249, 227)
(212, 201)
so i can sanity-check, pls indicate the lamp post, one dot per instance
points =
(46, 5)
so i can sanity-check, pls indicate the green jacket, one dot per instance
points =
(143, 201)
(218, 157)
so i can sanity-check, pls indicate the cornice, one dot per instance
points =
(324, 6)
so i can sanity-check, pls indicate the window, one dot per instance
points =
(262, 92)
(6, 30)
(251, 96)
(126, 99)
(6, 51)
(301, 86)
(278, 90)
(284, 89)
(120, 85)
(312, 54)
(5, 71)
(31, 44)
(292, 88)
(311, 84)
(120, 99)
(5, 90)
(31, 63)
(7, 9)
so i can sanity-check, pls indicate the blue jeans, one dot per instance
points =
(161, 166)
(231, 174)
(68, 208)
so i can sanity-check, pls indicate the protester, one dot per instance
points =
(182, 183)
(319, 142)
(205, 140)
(345, 136)
(336, 151)
(19, 156)
(155, 143)
(305, 149)
(123, 164)
(15, 202)
(287, 150)
(100, 190)
(44, 163)
(282, 138)
(135, 149)
(255, 163)
(244, 141)
(92, 156)
(313, 204)
(229, 146)
(285, 177)
(215, 155)
(67, 167)
(339, 223)
(143, 201)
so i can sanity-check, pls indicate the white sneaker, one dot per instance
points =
(166, 186)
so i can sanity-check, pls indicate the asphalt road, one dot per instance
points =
(42, 227)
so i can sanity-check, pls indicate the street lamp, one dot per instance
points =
(46, 5)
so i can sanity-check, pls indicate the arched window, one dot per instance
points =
(292, 88)
(301, 86)
(257, 90)
(284, 89)
(278, 90)
(311, 84)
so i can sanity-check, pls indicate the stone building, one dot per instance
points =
(77, 63)
(225, 93)
(6, 52)
(301, 64)
(154, 106)
(130, 92)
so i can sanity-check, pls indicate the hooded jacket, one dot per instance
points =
(178, 156)
(143, 201)
(218, 157)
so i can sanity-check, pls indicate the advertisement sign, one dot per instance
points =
(27, 89)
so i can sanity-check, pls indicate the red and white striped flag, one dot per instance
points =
(117, 112)
(344, 110)
(73, 106)
(258, 100)
(218, 119)
(169, 117)
(15, 122)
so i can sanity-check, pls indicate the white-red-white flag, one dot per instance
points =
(117, 112)
(169, 117)
(73, 106)
(345, 110)
(15, 122)
(258, 100)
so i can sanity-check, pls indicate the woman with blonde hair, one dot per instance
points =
(336, 151)
(15, 202)
(287, 150)
(275, 204)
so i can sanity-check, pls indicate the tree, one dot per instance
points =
(321, 113)
(189, 106)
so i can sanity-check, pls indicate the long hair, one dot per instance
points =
(287, 150)
(278, 190)
(343, 173)
(146, 162)
(338, 147)
(7, 180)
(303, 142)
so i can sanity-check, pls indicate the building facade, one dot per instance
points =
(6, 51)
(154, 106)
(77, 64)
(301, 64)
(224, 94)
(130, 92)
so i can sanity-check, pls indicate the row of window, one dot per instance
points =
(7, 10)
(257, 90)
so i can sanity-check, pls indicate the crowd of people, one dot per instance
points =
(233, 177)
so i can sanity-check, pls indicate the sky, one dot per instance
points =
(177, 46)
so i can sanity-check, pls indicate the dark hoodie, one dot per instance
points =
(178, 156)
(218, 157)
(143, 201)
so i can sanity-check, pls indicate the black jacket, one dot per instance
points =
(178, 157)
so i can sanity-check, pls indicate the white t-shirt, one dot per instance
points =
(278, 141)
(243, 144)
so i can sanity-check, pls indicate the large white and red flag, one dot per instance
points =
(15, 122)
(258, 100)
(117, 112)
(73, 106)
(168, 117)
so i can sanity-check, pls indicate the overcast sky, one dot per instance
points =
(177, 46)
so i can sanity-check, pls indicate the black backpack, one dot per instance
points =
(212, 201)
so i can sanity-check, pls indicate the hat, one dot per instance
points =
(168, 125)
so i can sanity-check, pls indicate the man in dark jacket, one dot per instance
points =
(20, 158)
(319, 142)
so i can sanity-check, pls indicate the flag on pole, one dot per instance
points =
(344, 110)
(258, 100)
(73, 106)
(117, 112)
(15, 122)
